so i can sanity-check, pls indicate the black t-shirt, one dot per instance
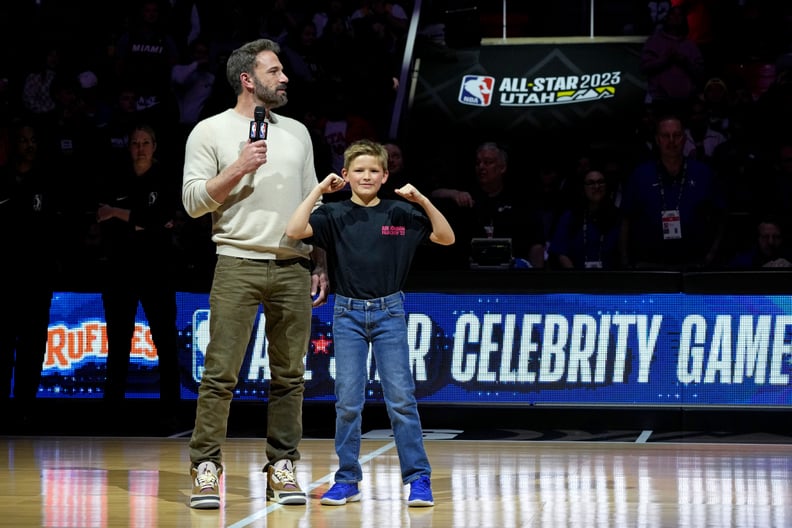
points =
(369, 249)
(144, 243)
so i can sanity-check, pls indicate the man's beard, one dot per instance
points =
(271, 98)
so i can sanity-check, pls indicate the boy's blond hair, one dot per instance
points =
(365, 147)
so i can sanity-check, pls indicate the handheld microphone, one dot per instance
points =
(258, 127)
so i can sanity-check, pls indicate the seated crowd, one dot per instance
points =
(703, 181)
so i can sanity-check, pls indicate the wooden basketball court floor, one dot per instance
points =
(614, 479)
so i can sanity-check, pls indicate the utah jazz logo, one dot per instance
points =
(476, 90)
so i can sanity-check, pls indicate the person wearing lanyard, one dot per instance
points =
(587, 234)
(673, 208)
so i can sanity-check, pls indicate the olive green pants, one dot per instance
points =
(240, 286)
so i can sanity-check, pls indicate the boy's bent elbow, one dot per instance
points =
(443, 241)
(295, 234)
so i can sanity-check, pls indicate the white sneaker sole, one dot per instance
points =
(327, 501)
(295, 498)
(205, 502)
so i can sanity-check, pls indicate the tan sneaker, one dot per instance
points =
(281, 484)
(206, 486)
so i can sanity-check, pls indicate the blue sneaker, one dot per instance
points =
(341, 493)
(421, 492)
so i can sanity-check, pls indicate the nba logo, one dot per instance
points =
(476, 90)
(200, 339)
(258, 130)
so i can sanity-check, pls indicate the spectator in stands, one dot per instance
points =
(326, 12)
(145, 56)
(673, 208)
(769, 250)
(193, 81)
(491, 208)
(388, 19)
(337, 45)
(672, 63)
(657, 13)
(701, 139)
(548, 191)
(95, 107)
(639, 143)
(719, 103)
(139, 203)
(221, 96)
(30, 207)
(188, 21)
(587, 235)
(741, 164)
(73, 145)
(124, 115)
(281, 19)
(302, 58)
(37, 98)
(702, 20)
(341, 125)
(616, 168)
(374, 76)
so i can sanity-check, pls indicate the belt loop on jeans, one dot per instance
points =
(345, 302)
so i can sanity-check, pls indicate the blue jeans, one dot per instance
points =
(383, 324)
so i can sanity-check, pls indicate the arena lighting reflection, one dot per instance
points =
(75, 497)
(79, 497)
(529, 485)
(603, 491)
